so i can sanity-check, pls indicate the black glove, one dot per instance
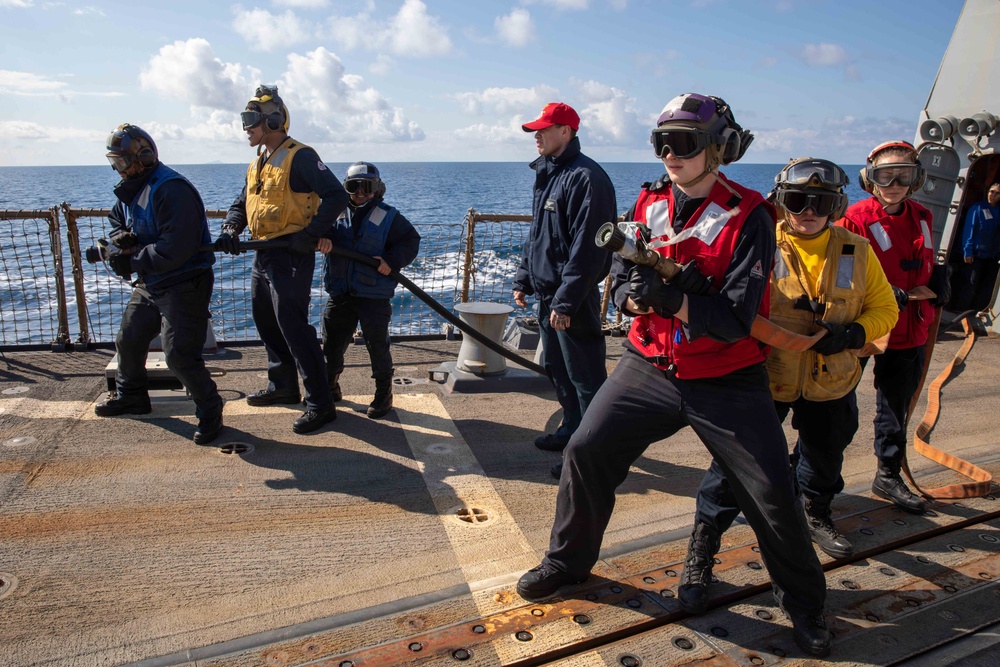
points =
(691, 281)
(902, 298)
(940, 284)
(647, 290)
(120, 262)
(228, 241)
(124, 239)
(302, 243)
(841, 337)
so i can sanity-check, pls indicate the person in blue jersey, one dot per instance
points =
(291, 195)
(158, 225)
(689, 360)
(361, 293)
(980, 252)
(563, 268)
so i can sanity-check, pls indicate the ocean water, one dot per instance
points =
(435, 196)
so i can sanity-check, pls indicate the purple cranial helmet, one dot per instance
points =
(710, 124)
(690, 107)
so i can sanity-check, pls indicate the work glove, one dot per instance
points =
(940, 284)
(840, 337)
(691, 281)
(647, 290)
(120, 262)
(902, 298)
(124, 239)
(228, 241)
(302, 243)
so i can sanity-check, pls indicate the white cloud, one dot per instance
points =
(411, 32)
(503, 101)
(265, 31)
(515, 28)
(189, 71)
(560, 4)
(484, 134)
(381, 65)
(216, 125)
(23, 129)
(304, 4)
(848, 135)
(27, 83)
(83, 11)
(620, 5)
(341, 107)
(824, 55)
(16, 3)
(609, 115)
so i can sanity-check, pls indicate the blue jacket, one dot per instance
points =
(981, 232)
(375, 230)
(167, 215)
(572, 198)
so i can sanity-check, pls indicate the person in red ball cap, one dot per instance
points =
(563, 267)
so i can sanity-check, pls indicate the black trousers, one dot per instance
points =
(734, 417)
(574, 358)
(180, 315)
(897, 373)
(340, 319)
(280, 285)
(976, 282)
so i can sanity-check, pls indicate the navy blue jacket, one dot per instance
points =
(573, 197)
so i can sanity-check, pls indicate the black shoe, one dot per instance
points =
(382, 402)
(542, 581)
(314, 419)
(810, 633)
(124, 404)
(208, 430)
(273, 397)
(552, 442)
(889, 485)
(335, 393)
(556, 470)
(692, 594)
(824, 533)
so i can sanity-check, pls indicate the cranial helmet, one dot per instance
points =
(130, 145)
(811, 183)
(267, 107)
(909, 172)
(710, 121)
(364, 176)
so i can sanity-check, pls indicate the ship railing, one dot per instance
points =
(474, 260)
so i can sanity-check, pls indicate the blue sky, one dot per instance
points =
(452, 80)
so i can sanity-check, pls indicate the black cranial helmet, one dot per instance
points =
(814, 183)
(266, 107)
(364, 176)
(130, 145)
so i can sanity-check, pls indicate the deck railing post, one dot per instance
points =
(468, 266)
(62, 341)
(73, 238)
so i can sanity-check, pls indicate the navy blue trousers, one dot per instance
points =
(179, 313)
(735, 419)
(340, 319)
(897, 373)
(279, 286)
(574, 358)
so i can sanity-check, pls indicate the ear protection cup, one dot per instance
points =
(730, 146)
(273, 122)
(146, 155)
(863, 182)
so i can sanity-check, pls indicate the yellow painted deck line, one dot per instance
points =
(493, 549)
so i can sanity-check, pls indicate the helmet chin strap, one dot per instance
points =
(713, 159)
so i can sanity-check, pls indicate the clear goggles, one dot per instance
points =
(365, 186)
(822, 202)
(251, 119)
(884, 175)
(119, 162)
(683, 143)
(813, 173)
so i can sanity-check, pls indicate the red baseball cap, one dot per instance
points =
(554, 113)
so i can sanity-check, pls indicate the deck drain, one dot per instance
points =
(8, 583)
(235, 448)
(524, 636)
(479, 629)
(14, 390)
(581, 619)
(849, 585)
(629, 660)
(988, 538)
(19, 441)
(416, 647)
(670, 573)
(403, 382)
(440, 448)
(474, 516)
(754, 565)
(461, 654)
(764, 614)
(667, 593)
(683, 643)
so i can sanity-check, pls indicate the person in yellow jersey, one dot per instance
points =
(289, 195)
(824, 278)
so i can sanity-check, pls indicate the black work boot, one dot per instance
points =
(889, 485)
(693, 591)
(544, 580)
(810, 632)
(335, 393)
(383, 399)
(123, 404)
(208, 429)
(823, 532)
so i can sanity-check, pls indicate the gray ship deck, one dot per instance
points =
(121, 541)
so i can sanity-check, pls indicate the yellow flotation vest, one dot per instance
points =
(273, 209)
(840, 294)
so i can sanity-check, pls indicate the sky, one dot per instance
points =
(453, 80)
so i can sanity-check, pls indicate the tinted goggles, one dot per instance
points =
(798, 201)
(365, 186)
(119, 162)
(815, 172)
(251, 119)
(682, 143)
(884, 175)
